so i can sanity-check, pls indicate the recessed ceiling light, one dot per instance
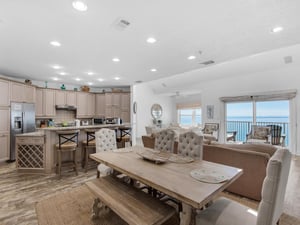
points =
(116, 59)
(90, 73)
(79, 5)
(117, 78)
(55, 78)
(55, 43)
(191, 57)
(277, 29)
(100, 79)
(153, 70)
(77, 79)
(151, 40)
(90, 83)
(56, 67)
(62, 73)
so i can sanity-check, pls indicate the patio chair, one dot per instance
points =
(260, 134)
(277, 138)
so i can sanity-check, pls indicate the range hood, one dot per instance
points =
(65, 107)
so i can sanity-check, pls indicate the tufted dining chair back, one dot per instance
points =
(105, 140)
(164, 140)
(190, 144)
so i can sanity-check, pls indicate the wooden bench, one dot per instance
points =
(131, 204)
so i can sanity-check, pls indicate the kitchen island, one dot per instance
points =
(37, 149)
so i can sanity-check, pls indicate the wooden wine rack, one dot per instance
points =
(30, 153)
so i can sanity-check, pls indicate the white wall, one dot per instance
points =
(285, 77)
(280, 79)
(144, 97)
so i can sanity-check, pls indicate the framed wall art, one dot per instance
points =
(210, 112)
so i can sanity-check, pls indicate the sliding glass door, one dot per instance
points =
(241, 115)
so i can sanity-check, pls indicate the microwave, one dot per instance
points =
(99, 120)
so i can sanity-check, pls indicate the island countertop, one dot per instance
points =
(84, 127)
(31, 134)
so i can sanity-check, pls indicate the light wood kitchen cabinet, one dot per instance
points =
(125, 107)
(85, 105)
(22, 92)
(65, 98)
(91, 105)
(45, 103)
(4, 93)
(31, 155)
(4, 133)
(118, 105)
(100, 105)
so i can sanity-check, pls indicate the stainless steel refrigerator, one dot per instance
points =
(22, 120)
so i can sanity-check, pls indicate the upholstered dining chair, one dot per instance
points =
(105, 141)
(190, 144)
(226, 212)
(164, 140)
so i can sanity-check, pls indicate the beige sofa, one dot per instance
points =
(252, 158)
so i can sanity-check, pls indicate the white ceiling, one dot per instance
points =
(221, 30)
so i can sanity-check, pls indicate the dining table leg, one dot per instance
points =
(185, 214)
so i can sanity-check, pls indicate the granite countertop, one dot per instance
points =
(31, 134)
(84, 127)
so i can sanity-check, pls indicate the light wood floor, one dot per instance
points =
(19, 192)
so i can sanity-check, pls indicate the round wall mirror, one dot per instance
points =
(156, 111)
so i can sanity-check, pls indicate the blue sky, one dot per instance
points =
(270, 108)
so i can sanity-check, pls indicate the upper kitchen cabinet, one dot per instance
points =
(4, 93)
(117, 104)
(65, 98)
(22, 92)
(45, 103)
(85, 105)
(100, 105)
(125, 107)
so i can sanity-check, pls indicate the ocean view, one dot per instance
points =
(242, 124)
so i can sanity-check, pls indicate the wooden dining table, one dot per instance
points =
(172, 178)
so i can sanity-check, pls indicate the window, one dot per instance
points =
(189, 116)
(241, 115)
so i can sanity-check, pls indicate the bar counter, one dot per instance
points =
(47, 154)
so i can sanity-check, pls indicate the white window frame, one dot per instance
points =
(193, 107)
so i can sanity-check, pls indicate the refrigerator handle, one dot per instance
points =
(22, 122)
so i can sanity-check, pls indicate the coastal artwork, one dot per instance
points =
(210, 112)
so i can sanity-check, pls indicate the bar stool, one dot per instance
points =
(67, 143)
(88, 145)
(125, 137)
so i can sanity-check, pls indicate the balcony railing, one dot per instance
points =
(243, 127)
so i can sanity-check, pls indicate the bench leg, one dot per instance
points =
(98, 208)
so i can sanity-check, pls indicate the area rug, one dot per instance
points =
(74, 208)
